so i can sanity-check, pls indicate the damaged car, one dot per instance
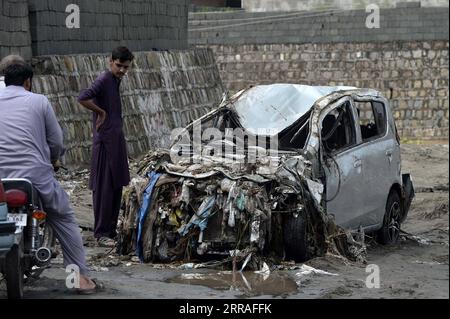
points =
(283, 171)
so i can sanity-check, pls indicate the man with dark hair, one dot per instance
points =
(8, 60)
(122, 54)
(109, 164)
(30, 141)
(18, 73)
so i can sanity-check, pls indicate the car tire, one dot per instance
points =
(14, 272)
(389, 233)
(294, 236)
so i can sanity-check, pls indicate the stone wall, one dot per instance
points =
(14, 28)
(104, 24)
(406, 59)
(164, 90)
(412, 75)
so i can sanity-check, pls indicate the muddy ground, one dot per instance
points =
(418, 267)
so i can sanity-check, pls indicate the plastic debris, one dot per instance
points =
(247, 259)
(187, 266)
(307, 270)
(265, 270)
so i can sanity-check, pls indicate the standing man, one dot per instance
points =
(30, 141)
(109, 164)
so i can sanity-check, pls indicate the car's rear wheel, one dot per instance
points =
(389, 234)
(14, 272)
(294, 236)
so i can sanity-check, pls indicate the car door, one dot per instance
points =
(380, 158)
(342, 164)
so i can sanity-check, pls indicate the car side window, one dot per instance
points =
(338, 129)
(372, 119)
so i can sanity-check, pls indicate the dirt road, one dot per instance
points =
(418, 267)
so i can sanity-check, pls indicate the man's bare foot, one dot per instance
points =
(86, 283)
(89, 286)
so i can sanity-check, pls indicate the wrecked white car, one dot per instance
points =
(283, 171)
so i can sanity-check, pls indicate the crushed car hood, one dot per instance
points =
(277, 106)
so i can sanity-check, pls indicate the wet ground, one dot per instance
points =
(418, 267)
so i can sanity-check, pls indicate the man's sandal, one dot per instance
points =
(99, 286)
(106, 242)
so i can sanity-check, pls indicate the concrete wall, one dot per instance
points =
(209, 3)
(14, 28)
(407, 59)
(162, 91)
(408, 24)
(214, 5)
(104, 24)
(290, 5)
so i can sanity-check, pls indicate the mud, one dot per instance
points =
(417, 267)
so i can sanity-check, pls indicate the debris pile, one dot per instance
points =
(233, 212)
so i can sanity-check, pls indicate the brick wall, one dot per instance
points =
(14, 28)
(407, 24)
(104, 24)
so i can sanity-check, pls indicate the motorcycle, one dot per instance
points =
(27, 242)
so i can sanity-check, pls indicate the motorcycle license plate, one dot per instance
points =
(19, 219)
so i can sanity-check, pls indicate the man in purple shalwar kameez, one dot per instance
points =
(30, 141)
(109, 164)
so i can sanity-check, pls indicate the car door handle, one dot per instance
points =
(357, 163)
(389, 153)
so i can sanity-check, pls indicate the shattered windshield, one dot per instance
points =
(276, 107)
